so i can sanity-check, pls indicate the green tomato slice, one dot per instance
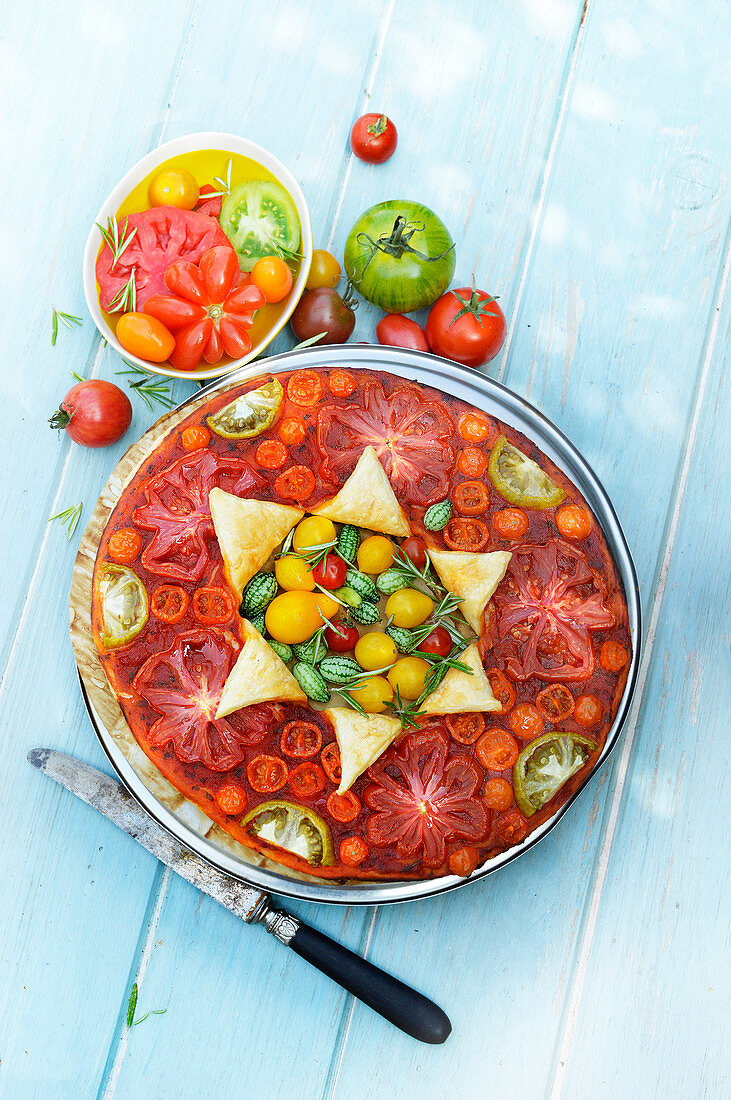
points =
(521, 480)
(260, 219)
(249, 415)
(297, 829)
(545, 764)
(124, 605)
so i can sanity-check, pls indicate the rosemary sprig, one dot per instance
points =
(69, 518)
(67, 319)
(224, 184)
(287, 545)
(405, 712)
(132, 1007)
(290, 255)
(348, 698)
(147, 386)
(317, 553)
(112, 238)
(405, 567)
(308, 343)
(125, 300)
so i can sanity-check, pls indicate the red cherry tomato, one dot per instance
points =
(401, 332)
(373, 138)
(466, 325)
(415, 551)
(341, 637)
(330, 572)
(94, 413)
(438, 642)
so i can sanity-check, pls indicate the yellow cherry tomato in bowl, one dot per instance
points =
(295, 616)
(273, 277)
(375, 650)
(408, 607)
(294, 574)
(145, 337)
(375, 694)
(408, 676)
(324, 270)
(313, 531)
(375, 554)
(174, 187)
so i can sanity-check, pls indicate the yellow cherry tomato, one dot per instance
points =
(145, 337)
(313, 531)
(295, 616)
(324, 270)
(273, 277)
(375, 650)
(409, 607)
(408, 675)
(375, 695)
(375, 554)
(174, 187)
(294, 574)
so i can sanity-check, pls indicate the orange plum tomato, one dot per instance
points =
(145, 337)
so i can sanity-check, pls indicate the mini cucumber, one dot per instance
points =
(438, 515)
(340, 670)
(258, 621)
(391, 581)
(363, 585)
(281, 649)
(258, 594)
(402, 637)
(348, 543)
(312, 651)
(311, 682)
(366, 613)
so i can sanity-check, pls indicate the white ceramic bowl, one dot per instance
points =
(229, 143)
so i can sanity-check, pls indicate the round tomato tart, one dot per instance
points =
(368, 630)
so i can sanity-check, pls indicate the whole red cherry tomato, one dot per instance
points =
(341, 637)
(466, 325)
(401, 332)
(94, 413)
(438, 642)
(323, 311)
(415, 551)
(330, 572)
(373, 138)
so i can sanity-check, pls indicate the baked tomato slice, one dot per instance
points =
(161, 237)
(177, 511)
(547, 605)
(412, 438)
(420, 799)
(183, 685)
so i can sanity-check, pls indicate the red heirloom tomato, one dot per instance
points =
(207, 310)
(94, 413)
(373, 138)
(206, 205)
(323, 311)
(466, 325)
(401, 332)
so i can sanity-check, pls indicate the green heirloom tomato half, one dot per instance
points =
(545, 764)
(400, 256)
(260, 219)
(124, 605)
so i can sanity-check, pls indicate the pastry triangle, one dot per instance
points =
(473, 577)
(259, 676)
(460, 692)
(362, 739)
(367, 500)
(247, 532)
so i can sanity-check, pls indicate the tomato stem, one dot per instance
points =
(397, 242)
(60, 419)
(477, 307)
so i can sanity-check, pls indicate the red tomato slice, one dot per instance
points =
(177, 511)
(544, 614)
(412, 437)
(421, 799)
(164, 235)
(184, 685)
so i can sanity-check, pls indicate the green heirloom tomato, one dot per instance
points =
(400, 256)
(260, 219)
(545, 764)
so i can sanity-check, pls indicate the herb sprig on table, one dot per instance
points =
(69, 518)
(147, 385)
(67, 319)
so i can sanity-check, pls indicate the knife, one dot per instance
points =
(408, 1010)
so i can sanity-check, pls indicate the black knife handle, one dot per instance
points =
(408, 1010)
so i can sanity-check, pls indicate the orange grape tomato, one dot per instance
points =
(510, 523)
(555, 702)
(574, 522)
(471, 498)
(301, 739)
(465, 728)
(497, 794)
(324, 270)
(464, 861)
(588, 710)
(353, 851)
(296, 483)
(273, 277)
(212, 605)
(343, 807)
(292, 431)
(271, 454)
(169, 603)
(307, 780)
(330, 759)
(474, 428)
(304, 387)
(502, 689)
(466, 534)
(511, 826)
(497, 750)
(232, 799)
(145, 337)
(174, 187)
(340, 383)
(124, 545)
(266, 773)
(195, 439)
(472, 462)
(525, 721)
(612, 656)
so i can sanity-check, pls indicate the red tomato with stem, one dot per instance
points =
(466, 325)
(373, 138)
(94, 413)
(401, 332)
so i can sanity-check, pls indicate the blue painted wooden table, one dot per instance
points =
(579, 153)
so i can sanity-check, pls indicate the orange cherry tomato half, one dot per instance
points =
(511, 827)
(296, 483)
(472, 462)
(145, 337)
(464, 861)
(266, 773)
(271, 454)
(612, 656)
(574, 522)
(343, 807)
(466, 534)
(525, 721)
(510, 523)
(353, 851)
(304, 388)
(502, 689)
(169, 603)
(301, 739)
(307, 780)
(588, 710)
(497, 794)
(474, 428)
(212, 605)
(232, 799)
(340, 383)
(555, 702)
(497, 750)
(195, 439)
(465, 728)
(330, 760)
(273, 277)
(124, 545)
(292, 431)
(471, 498)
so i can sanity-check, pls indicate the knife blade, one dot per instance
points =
(408, 1010)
